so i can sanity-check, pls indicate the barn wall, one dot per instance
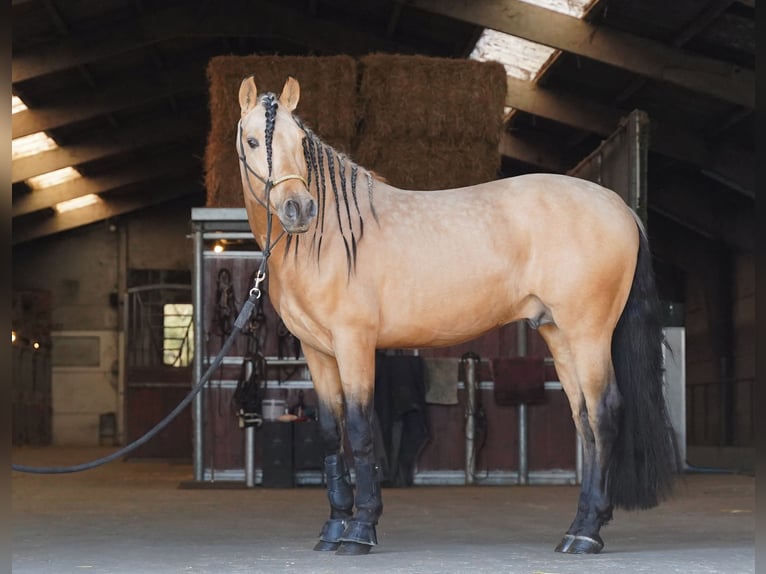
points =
(81, 269)
(160, 238)
(744, 348)
(703, 360)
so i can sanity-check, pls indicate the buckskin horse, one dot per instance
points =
(366, 266)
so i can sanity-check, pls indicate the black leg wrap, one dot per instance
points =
(362, 532)
(360, 535)
(369, 503)
(339, 491)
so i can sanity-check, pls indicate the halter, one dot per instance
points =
(269, 183)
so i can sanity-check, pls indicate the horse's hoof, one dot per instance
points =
(329, 537)
(565, 543)
(324, 546)
(581, 545)
(353, 549)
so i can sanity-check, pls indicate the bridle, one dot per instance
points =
(269, 183)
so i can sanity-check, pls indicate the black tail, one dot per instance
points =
(645, 454)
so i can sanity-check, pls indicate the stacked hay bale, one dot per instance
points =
(430, 123)
(422, 123)
(328, 105)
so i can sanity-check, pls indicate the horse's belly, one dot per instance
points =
(451, 323)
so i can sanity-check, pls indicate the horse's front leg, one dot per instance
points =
(324, 373)
(356, 361)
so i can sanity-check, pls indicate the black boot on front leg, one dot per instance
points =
(341, 499)
(360, 535)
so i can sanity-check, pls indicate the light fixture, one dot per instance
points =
(31, 145)
(13, 336)
(77, 203)
(218, 248)
(52, 178)
(17, 105)
(36, 345)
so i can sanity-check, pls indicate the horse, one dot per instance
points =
(366, 266)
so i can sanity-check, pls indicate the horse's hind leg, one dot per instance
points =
(585, 371)
(324, 372)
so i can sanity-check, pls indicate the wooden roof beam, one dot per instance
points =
(641, 56)
(731, 164)
(236, 19)
(702, 212)
(64, 112)
(46, 198)
(106, 145)
(105, 209)
(537, 154)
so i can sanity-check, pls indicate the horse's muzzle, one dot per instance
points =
(296, 213)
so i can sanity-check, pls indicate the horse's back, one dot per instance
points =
(470, 259)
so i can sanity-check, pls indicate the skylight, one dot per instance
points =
(31, 145)
(524, 59)
(576, 8)
(17, 105)
(77, 203)
(53, 178)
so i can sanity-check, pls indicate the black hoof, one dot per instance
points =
(324, 546)
(565, 543)
(329, 537)
(353, 549)
(580, 544)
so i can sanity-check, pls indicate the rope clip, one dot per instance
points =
(259, 278)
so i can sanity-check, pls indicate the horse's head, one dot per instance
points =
(269, 144)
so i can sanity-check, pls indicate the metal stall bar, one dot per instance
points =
(199, 322)
(522, 349)
(470, 423)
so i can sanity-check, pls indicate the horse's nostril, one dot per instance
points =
(292, 209)
(311, 208)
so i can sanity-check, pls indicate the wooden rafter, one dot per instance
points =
(110, 207)
(93, 104)
(232, 19)
(641, 56)
(115, 179)
(107, 145)
(730, 163)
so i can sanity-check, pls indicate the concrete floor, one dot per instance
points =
(132, 518)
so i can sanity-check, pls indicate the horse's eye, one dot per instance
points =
(252, 142)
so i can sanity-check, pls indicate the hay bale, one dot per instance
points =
(433, 98)
(421, 164)
(328, 105)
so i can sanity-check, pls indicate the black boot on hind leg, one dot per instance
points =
(341, 499)
(360, 535)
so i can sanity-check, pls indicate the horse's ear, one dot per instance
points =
(291, 93)
(247, 95)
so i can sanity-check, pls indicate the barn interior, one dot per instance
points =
(112, 115)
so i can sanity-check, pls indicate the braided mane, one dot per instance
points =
(324, 163)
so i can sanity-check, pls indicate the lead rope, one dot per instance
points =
(239, 324)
